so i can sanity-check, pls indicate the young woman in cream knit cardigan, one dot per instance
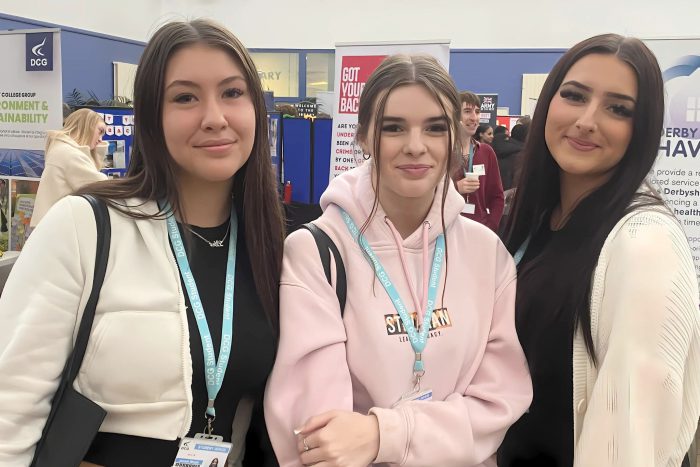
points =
(607, 299)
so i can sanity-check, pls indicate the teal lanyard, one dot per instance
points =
(214, 370)
(418, 339)
(521, 251)
(470, 161)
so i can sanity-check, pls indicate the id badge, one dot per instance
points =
(426, 395)
(479, 169)
(469, 208)
(202, 451)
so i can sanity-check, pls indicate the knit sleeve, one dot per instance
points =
(645, 401)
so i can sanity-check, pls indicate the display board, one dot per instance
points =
(353, 65)
(676, 173)
(30, 105)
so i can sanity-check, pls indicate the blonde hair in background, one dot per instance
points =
(80, 126)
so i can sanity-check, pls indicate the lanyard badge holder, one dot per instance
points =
(205, 447)
(418, 338)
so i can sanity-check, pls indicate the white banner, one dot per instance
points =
(353, 65)
(30, 88)
(677, 169)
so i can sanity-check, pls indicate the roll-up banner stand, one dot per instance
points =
(30, 105)
(676, 173)
(353, 65)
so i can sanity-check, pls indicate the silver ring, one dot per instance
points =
(306, 446)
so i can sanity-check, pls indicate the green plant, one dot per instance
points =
(75, 98)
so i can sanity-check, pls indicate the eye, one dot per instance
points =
(391, 128)
(437, 128)
(573, 96)
(184, 98)
(233, 92)
(621, 110)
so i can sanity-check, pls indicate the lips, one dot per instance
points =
(414, 170)
(217, 145)
(581, 145)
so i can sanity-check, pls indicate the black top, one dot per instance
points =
(250, 363)
(543, 437)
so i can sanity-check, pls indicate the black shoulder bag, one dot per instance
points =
(74, 419)
(326, 247)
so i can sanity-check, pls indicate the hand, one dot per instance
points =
(466, 186)
(339, 439)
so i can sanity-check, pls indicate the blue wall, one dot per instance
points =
(86, 57)
(500, 71)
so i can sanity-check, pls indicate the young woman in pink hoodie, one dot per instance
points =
(423, 366)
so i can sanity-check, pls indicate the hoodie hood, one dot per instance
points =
(353, 192)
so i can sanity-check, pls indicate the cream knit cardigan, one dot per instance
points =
(639, 407)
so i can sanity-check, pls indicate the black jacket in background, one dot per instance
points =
(507, 151)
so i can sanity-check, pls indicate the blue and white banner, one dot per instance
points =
(677, 169)
(30, 89)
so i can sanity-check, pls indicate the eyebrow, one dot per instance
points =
(440, 119)
(192, 84)
(616, 95)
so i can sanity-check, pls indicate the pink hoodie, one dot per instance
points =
(363, 362)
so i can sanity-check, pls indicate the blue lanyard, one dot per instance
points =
(521, 251)
(470, 160)
(214, 370)
(418, 339)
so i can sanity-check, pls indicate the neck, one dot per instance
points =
(204, 204)
(572, 190)
(407, 214)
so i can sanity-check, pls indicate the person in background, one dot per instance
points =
(201, 184)
(519, 132)
(477, 176)
(484, 134)
(507, 150)
(72, 159)
(607, 301)
(351, 389)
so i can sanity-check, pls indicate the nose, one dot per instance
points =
(587, 120)
(214, 117)
(415, 145)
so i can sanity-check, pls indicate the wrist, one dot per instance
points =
(373, 425)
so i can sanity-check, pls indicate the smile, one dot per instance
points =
(216, 146)
(581, 145)
(414, 170)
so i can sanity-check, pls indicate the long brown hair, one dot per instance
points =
(402, 70)
(151, 173)
(538, 185)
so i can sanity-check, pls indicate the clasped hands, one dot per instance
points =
(338, 439)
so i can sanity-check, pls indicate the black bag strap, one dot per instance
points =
(104, 236)
(325, 247)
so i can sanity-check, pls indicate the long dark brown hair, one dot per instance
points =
(538, 185)
(151, 173)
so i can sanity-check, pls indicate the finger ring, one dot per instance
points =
(306, 446)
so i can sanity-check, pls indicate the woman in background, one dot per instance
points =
(72, 159)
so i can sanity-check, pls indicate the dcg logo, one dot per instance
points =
(39, 51)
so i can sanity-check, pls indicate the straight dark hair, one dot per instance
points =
(538, 185)
(151, 173)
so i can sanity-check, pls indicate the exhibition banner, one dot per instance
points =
(676, 173)
(30, 88)
(353, 65)
(30, 105)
